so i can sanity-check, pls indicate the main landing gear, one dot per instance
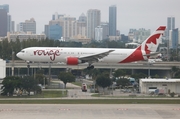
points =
(90, 67)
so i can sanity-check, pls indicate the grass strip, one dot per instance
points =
(91, 101)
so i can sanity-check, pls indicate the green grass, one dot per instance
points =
(91, 101)
(77, 83)
(56, 98)
(121, 97)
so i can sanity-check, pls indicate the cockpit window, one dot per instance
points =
(22, 51)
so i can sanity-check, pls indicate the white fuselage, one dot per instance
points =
(60, 54)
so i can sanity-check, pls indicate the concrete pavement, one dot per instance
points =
(89, 111)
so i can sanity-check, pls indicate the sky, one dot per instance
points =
(148, 14)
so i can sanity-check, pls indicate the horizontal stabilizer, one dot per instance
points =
(152, 54)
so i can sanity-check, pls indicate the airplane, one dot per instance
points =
(75, 56)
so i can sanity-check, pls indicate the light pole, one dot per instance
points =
(148, 69)
(12, 68)
(44, 82)
(49, 73)
(28, 66)
(150, 63)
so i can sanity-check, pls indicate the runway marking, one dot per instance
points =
(63, 109)
(6, 110)
(122, 109)
(176, 109)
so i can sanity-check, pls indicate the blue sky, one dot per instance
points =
(136, 14)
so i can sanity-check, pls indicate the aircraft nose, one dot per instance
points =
(18, 55)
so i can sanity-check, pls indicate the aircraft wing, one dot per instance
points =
(95, 57)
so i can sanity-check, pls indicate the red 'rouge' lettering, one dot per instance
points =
(51, 53)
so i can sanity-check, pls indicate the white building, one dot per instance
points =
(27, 26)
(2, 69)
(93, 20)
(20, 27)
(98, 33)
(79, 38)
(24, 36)
(165, 85)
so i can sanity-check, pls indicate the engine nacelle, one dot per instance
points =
(72, 61)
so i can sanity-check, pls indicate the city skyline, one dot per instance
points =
(130, 14)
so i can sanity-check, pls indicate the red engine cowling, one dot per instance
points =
(72, 61)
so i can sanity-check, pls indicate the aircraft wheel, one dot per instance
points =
(90, 67)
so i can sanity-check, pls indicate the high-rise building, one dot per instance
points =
(140, 35)
(93, 20)
(27, 26)
(12, 26)
(82, 18)
(81, 25)
(69, 28)
(105, 27)
(46, 30)
(98, 33)
(170, 25)
(20, 27)
(102, 32)
(173, 38)
(3, 22)
(57, 16)
(68, 25)
(55, 32)
(112, 20)
(5, 7)
(8, 23)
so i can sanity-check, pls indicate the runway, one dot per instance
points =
(90, 111)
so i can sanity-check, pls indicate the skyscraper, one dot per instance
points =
(170, 25)
(9, 23)
(98, 33)
(65, 25)
(55, 32)
(3, 22)
(173, 38)
(93, 20)
(57, 16)
(82, 18)
(5, 7)
(112, 20)
(20, 27)
(105, 27)
(81, 25)
(27, 26)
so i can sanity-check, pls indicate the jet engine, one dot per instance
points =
(72, 61)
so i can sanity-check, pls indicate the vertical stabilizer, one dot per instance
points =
(152, 42)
